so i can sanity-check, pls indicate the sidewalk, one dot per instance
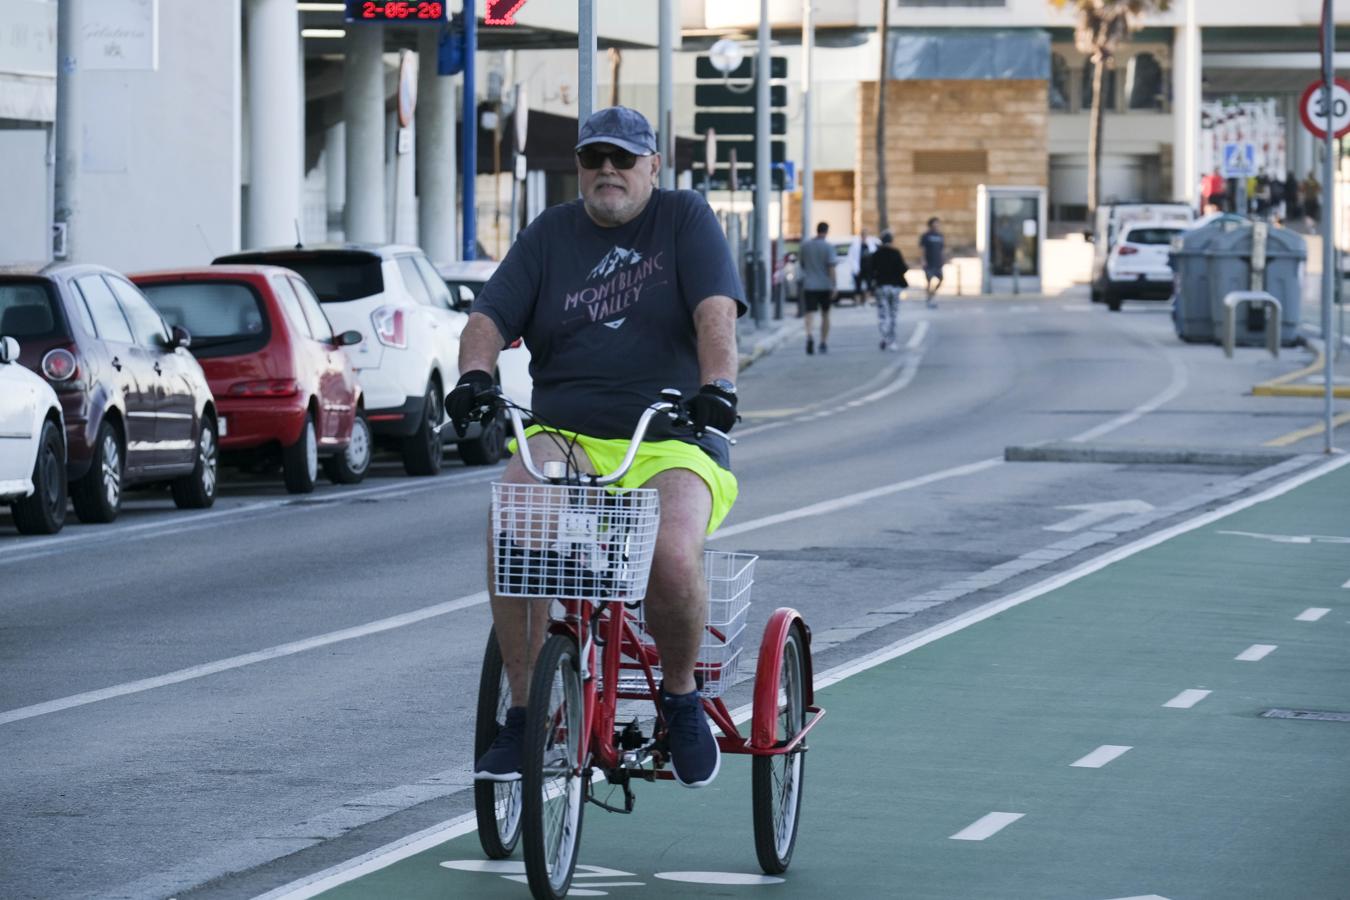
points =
(1171, 721)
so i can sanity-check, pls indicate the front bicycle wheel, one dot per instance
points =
(552, 780)
(777, 780)
(496, 803)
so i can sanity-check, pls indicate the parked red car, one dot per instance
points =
(282, 382)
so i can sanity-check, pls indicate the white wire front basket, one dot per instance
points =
(572, 542)
(729, 577)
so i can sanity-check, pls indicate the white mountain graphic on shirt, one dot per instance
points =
(612, 261)
(616, 324)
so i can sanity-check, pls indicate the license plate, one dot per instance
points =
(224, 426)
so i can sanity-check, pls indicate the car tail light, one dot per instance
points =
(60, 365)
(1128, 251)
(388, 322)
(274, 387)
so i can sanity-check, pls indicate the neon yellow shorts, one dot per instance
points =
(654, 457)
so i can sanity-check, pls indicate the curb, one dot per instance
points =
(1064, 451)
(763, 341)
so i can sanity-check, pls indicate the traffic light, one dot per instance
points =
(725, 103)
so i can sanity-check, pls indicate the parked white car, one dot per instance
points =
(1113, 218)
(32, 446)
(1138, 266)
(408, 358)
(464, 280)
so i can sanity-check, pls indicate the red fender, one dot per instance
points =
(764, 721)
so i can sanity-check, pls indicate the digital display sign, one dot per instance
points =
(409, 11)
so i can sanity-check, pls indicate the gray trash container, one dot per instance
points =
(1192, 308)
(1214, 259)
(1230, 267)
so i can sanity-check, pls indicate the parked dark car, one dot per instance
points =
(137, 406)
(284, 386)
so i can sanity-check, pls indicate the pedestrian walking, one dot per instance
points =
(818, 291)
(888, 268)
(1293, 202)
(1212, 188)
(1312, 198)
(933, 246)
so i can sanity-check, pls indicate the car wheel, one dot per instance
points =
(197, 489)
(489, 447)
(98, 495)
(300, 461)
(422, 449)
(350, 466)
(44, 510)
(1113, 300)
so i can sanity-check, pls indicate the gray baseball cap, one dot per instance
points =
(620, 126)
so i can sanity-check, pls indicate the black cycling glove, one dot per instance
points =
(712, 407)
(463, 404)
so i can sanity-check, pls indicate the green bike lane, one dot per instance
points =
(1101, 739)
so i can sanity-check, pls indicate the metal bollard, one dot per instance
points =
(1232, 300)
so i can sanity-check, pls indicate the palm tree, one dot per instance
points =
(1102, 26)
(883, 222)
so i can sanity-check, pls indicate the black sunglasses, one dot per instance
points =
(591, 158)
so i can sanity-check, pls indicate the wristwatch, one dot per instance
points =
(726, 387)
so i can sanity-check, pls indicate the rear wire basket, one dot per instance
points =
(729, 577)
(573, 542)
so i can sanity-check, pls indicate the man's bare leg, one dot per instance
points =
(676, 605)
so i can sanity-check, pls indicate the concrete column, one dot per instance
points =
(335, 178)
(276, 150)
(363, 114)
(1186, 94)
(436, 207)
(69, 125)
(666, 125)
(808, 170)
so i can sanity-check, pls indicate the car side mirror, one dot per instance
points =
(179, 337)
(463, 298)
(348, 338)
(9, 350)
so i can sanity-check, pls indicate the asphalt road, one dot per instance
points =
(213, 704)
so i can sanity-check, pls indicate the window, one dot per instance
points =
(1059, 83)
(1150, 236)
(1108, 88)
(436, 286)
(27, 311)
(1144, 82)
(408, 269)
(225, 318)
(295, 313)
(146, 324)
(319, 325)
(108, 317)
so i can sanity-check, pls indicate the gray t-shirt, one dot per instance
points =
(608, 313)
(817, 258)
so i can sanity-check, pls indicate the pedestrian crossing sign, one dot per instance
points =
(1239, 159)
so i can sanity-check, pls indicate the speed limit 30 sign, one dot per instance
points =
(1314, 107)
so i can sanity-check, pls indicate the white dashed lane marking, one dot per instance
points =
(1256, 652)
(1311, 614)
(1101, 756)
(986, 826)
(1186, 699)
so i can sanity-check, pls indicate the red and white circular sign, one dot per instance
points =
(1314, 106)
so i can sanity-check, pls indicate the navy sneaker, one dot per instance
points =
(695, 757)
(503, 759)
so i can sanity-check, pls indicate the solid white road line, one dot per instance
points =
(1177, 385)
(188, 521)
(1101, 756)
(916, 338)
(986, 826)
(1186, 699)
(829, 506)
(247, 659)
(1311, 614)
(1255, 652)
